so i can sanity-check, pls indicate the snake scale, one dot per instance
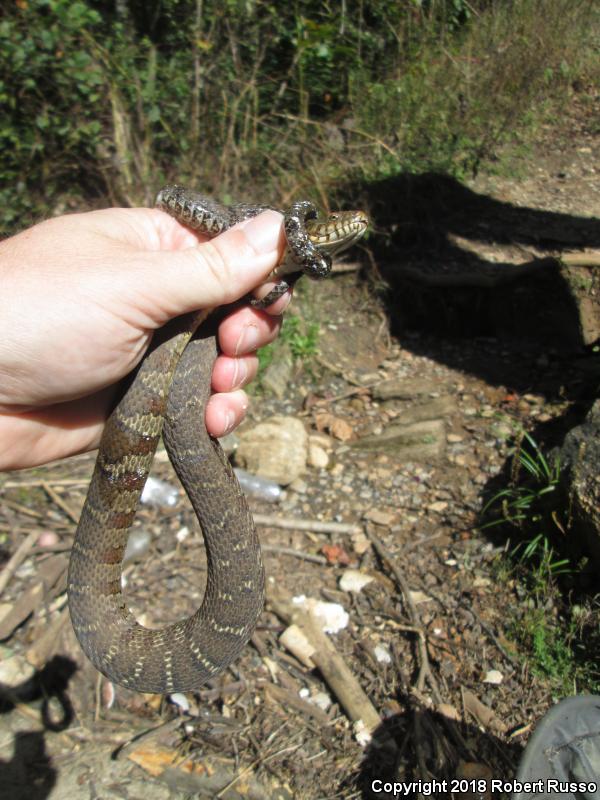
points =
(167, 395)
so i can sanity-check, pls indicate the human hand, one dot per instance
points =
(82, 295)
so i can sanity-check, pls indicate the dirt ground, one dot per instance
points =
(430, 640)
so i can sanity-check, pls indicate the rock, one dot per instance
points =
(380, 517)
(438, 506)
(276, 449)
(353, 580)
(403, 389)
(580, 473)
(317, 457)
(422, 441)
(15, 672)
(493, 676)
(432, 409)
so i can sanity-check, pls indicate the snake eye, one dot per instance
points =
(334, 216)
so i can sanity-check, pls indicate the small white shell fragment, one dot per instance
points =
(382, 654)
(353, 580)
(361, 734)
(179, 699)
(332, 616)
(299, 600)
(493, 676)
(182, 534)
(304, 693)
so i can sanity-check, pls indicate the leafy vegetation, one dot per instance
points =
(297, 336)
(533, 505)
(563, 649)
(103, 101)
(561, 639)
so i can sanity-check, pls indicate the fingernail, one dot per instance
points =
(248, 340)
(262, 232)
(228, 422)
(240, 373)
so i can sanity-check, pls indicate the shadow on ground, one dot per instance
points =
(424, 742)
(29, 774)
(430, 228)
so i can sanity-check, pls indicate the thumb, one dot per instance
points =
(220, 270)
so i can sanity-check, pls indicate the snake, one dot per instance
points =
(166, 395)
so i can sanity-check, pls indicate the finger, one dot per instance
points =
(233, 373)
(225, 411)
(246, 329)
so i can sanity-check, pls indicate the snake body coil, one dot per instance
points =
(167, 395)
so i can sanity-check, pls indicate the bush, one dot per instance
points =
(100, 102)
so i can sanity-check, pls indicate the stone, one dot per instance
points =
(580, 474)
(317, 457)
(423, 441)
(276, 448)
(403, 389)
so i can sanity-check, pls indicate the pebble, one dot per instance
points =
(493, 676)
(438, 506)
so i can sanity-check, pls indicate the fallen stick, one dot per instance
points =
(332, 666)
(314, 525)
(57, 499)
(17, 559)
(289, 551)
(40, 484)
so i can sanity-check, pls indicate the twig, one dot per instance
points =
(425, 673)
(289, 551)
(163, 727)
(29, 512)
(314, 526)
(17, 559)
(417, 542)
(349, 393)
(290, 700)
(38, 483)
(57, 499)
(332, 666)
(510, 658)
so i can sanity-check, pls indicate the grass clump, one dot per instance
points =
(561, 638)
(531, 509)
(298, 338)
(562, 648)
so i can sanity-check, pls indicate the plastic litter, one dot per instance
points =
(159, 493)
(262, 488)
